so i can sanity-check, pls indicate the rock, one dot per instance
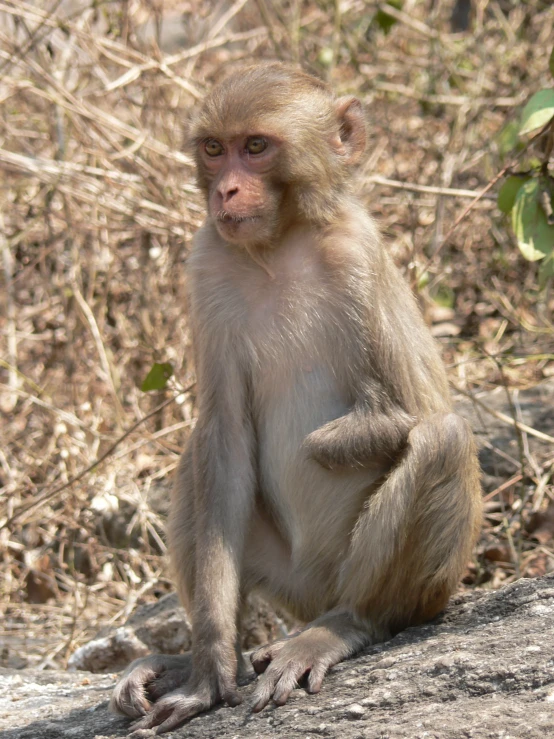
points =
(108, 653)
(156, 627)
(164, 627)
(483, 669)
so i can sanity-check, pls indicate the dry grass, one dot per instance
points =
(97, 208)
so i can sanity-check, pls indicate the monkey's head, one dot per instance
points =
(272, 147)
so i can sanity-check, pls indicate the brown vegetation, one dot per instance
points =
(97, 208)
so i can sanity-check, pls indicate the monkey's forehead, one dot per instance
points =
(270, 79)
(266, 96)
(278, 116)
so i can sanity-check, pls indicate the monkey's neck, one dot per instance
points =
(259, 256)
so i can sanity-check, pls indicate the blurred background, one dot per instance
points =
(97, 209)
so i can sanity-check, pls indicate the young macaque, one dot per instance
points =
(327, 469)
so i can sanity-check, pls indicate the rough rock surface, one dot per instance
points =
(164, 627)
(483, 669)
(157, 627)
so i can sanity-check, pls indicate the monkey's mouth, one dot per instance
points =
(225, 217)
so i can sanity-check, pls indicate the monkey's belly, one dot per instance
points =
(303, 497)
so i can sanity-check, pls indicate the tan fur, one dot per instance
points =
(326, 468)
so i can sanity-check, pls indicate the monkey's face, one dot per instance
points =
(240, 175)
(272, 147)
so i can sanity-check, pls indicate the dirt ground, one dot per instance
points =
(97, 209)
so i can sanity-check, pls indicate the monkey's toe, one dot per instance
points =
(172, 711)
(262, 657)
(129, 697)
(285, 663)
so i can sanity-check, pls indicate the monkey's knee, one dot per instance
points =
(443, 445)
(455, 431)
(449, 506)
(444, 514)
(445, 472)
(450, 426)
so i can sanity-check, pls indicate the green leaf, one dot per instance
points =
(534, 235)
(551, 62)
(444, 296)
(423, 280)
(538, 111)
(508, 192)
(546, 270)
(508, 138)
(157, 378)
(383, 19)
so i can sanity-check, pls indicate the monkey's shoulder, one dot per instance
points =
(353, 244)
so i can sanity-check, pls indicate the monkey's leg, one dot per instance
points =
(407, 553)
(223, 485)
(414, 538)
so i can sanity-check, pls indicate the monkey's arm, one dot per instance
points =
(223, 470)
(359, 436)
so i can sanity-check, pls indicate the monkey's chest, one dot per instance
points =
(291, 401)
(298, 375)
(299, 380)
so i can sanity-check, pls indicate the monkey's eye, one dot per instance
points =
(256, 144)
(213, 148)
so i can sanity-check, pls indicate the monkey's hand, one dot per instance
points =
(309, 654)
(359, 438)
(173, 709)
(146, 680)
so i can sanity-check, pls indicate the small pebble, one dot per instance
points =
(355, 711)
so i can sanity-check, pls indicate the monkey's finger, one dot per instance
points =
(264, 691)
(150, 721)
(176, 719)
(231, 697)
(315, 678)
(287, 683)
(262, 657)
(159, 713)
(170, 712)
(130, 700)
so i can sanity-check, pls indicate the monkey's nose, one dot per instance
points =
(228, 193)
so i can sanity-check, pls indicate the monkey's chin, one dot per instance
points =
(244, 230)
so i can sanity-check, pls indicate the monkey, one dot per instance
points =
(327, 469)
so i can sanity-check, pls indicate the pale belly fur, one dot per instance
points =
(315, 509)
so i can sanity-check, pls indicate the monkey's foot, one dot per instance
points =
(174, 708)
(146, 680)
(311, 653)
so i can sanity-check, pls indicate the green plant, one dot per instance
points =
(528, 196)
(157, 377)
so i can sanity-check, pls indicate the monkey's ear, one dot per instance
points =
(352, 133)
